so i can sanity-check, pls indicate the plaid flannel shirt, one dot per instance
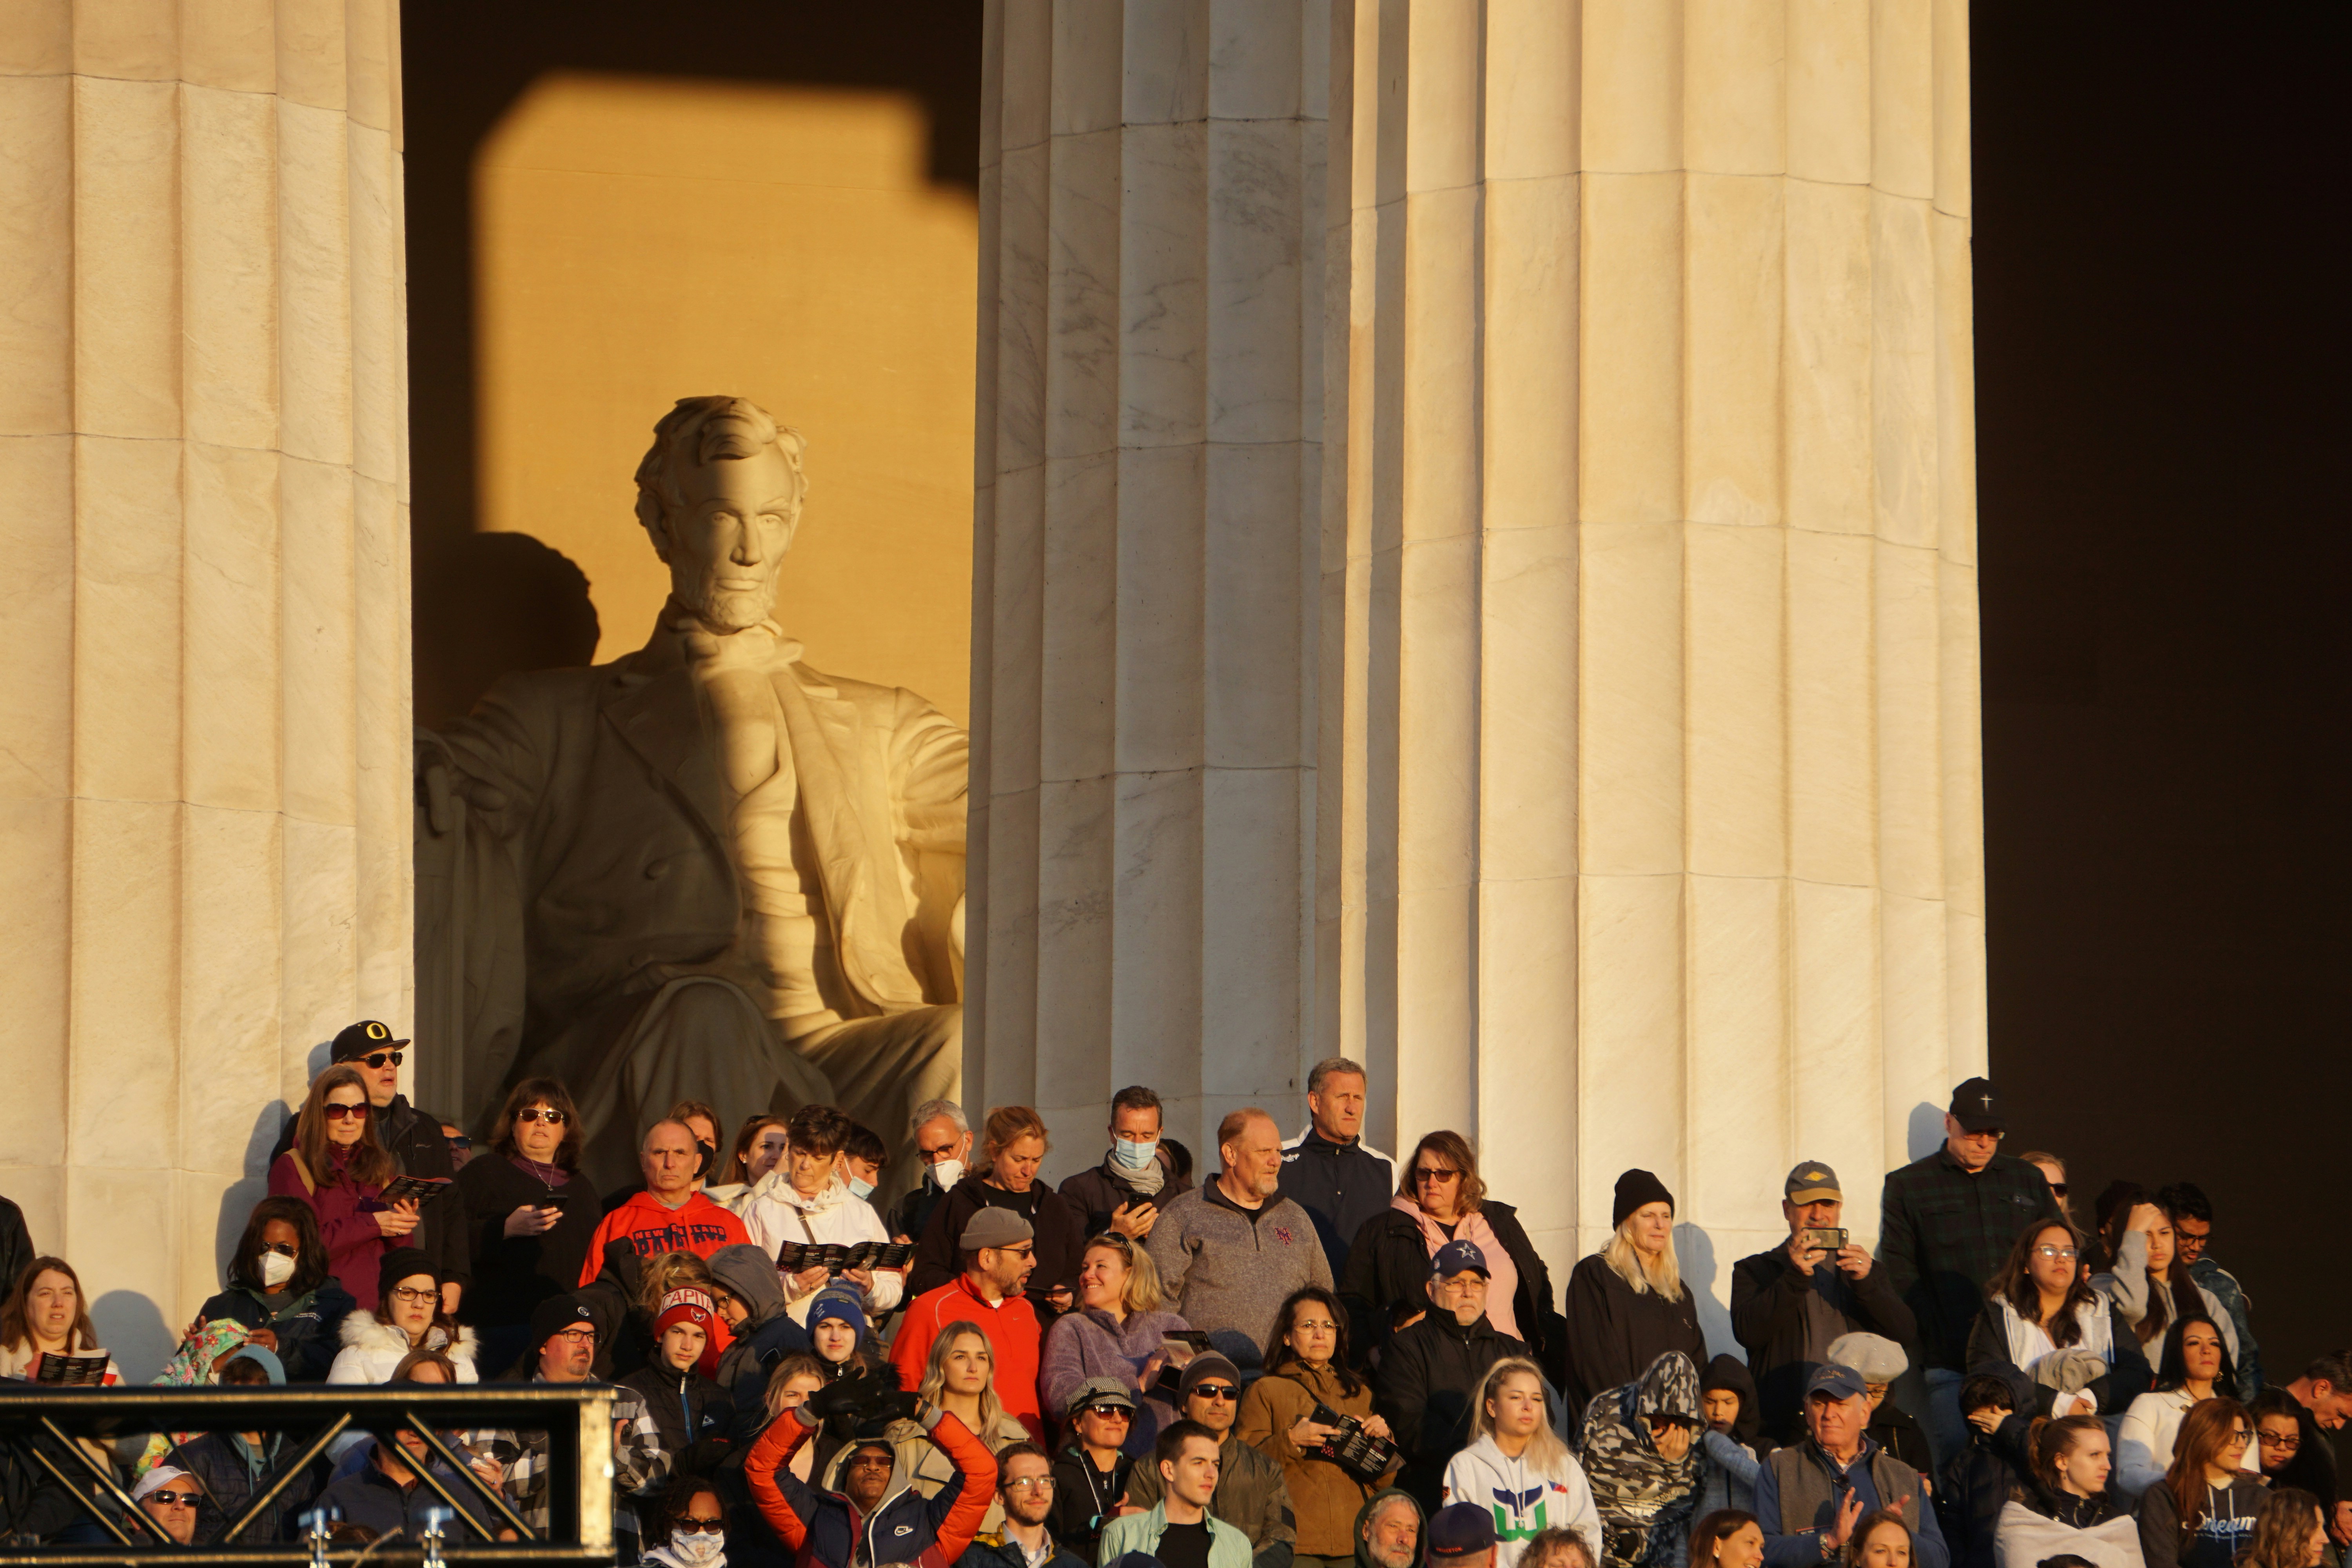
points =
(1944, 1233)
(640, 1464)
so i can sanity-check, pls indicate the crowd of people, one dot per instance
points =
(1316, 1356)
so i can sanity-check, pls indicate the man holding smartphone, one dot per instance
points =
(1788, 1304)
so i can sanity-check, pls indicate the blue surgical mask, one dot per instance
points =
(1133, 1156)
(860, 1189)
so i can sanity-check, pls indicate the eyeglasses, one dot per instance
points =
(283, 1248)
(172, 1499)
(2289, 1441)
(697, 1526)
(548, 1114)
(377, 1058)
(414, 1298)
(1118, 1412)
(2063, 1253)
(579, 1336)
(2238, 1438)
(1424, 1175)
(1030, 1484)
(1215, 1391)
(334, 1112)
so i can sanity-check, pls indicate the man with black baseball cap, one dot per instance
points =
(415, 1139)
(1789, 1304)
(1811, 1495)
(1946, 1223)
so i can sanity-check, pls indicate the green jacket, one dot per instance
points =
(1228, 1547)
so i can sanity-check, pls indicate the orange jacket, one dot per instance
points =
(1012, 1338)
(823, 1529)
(696, 1225)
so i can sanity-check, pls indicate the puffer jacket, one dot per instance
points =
(1979, 1482)
(308, 1327)
(372, 1348)
(1389, 1262)
(928, 1468)
(688, 1410)
(824, 1529)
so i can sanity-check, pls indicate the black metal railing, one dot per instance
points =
(577, 1419)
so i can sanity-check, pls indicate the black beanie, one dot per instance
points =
(554, 1315)
(1634, 1189)
(399, 1264)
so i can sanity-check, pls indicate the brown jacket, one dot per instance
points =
(1324, 1497)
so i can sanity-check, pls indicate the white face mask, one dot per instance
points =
(276, 1269)
(1131, 1155)
(698, 1545)
(860, 1189)
(947, 1173)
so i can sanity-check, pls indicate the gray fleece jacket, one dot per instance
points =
(1226, 1270)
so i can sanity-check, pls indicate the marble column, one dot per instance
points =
(1148, 475)
(202, 493)
(1648, 605)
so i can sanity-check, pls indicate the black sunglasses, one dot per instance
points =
(377, 1058)
(697, 1526)
(1215, 1391)
(1121, 1411)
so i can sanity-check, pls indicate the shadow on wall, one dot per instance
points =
(502, 602)
(133, 1332)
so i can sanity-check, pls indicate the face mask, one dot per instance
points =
(860, 1189)
(276, 1269)
(697, 1546)
(1133, 1156)
(947, 1173)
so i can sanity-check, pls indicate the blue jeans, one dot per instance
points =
(1948, 1429)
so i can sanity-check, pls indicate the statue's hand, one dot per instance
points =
(443, 786)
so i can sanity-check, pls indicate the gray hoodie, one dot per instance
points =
(767, 1336)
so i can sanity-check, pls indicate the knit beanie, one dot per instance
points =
(402, 1263)
(684, 1306)
(554, 1315)
(833, 1301)
(1634, 1190)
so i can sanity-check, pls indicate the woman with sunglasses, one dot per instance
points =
(2202, 1514)
(693, 1526)
(1440, 1197)
(529, 1216)
(278, 1287)
(339, 1167)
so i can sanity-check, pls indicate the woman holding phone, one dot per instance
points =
(529, 1214)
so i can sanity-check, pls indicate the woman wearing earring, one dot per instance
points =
(339, 1168)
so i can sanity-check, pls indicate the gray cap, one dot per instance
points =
(994, 1227)
(1101, 1391)
(1876, 1357)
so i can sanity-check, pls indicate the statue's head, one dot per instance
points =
(719, 492)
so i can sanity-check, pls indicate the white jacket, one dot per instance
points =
(774, 1213)
(2144, 1445)
(1524, 1498)
(2030, 1342)
(372, 1348)
(2023, 1538)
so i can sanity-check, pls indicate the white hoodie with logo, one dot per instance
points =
(1523, 1499)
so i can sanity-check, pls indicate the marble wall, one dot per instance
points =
(205, 801)
(1641, 806)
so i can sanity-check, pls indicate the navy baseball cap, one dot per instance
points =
(1456, 1255)
(1461, 1528)
(1837, 1382)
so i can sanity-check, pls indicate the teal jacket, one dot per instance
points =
(1228, 1547)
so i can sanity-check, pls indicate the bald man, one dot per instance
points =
(1230, 1250)
(669, 1216)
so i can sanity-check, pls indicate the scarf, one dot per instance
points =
(1643, 1497)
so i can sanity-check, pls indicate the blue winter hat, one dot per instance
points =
(266, 1358)
(833, 1301)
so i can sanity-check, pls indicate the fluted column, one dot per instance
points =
(1651, 826)
(1147, 475)
(204, 798)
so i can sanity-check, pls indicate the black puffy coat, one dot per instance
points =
(688, 1410)
(1389, 1262)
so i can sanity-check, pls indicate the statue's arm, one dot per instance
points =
(931, 775)
(494, 760)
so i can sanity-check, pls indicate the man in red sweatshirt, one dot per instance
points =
(669, 1216)
(998, 1249)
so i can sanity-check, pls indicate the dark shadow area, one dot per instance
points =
(499, 602)
(2164, 558)
(462, 67)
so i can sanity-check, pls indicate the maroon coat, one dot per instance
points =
(355, 1244)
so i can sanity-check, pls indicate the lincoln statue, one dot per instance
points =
(704, 870)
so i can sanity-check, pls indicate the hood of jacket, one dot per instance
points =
(366, 1333)
(776, 1187)
(1730, 1372)
(1373, 1505)
(749, 1276)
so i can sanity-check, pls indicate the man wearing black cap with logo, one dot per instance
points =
(412, 1138)
(1811, 1495)
(1946, 1223)
(1250, 1493)
(1788, 1304)
(1432, 1366)
(563, 1349)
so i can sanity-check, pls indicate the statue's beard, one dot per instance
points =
(730, 610)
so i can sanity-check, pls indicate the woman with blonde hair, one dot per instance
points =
(1627, 1304)
(960, 1379)
(1518, 1461)
(1119, 1330)
(1012, 1144)
(339, 1167)
(1441, 1197)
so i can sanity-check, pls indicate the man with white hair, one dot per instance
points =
(942, 1139)
(703, 872)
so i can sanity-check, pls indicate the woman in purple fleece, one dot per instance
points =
(1120, 1331)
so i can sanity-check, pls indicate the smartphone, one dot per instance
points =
(1141, 1202)
(1827, 1240)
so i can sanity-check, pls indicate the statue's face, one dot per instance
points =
(725, 544)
